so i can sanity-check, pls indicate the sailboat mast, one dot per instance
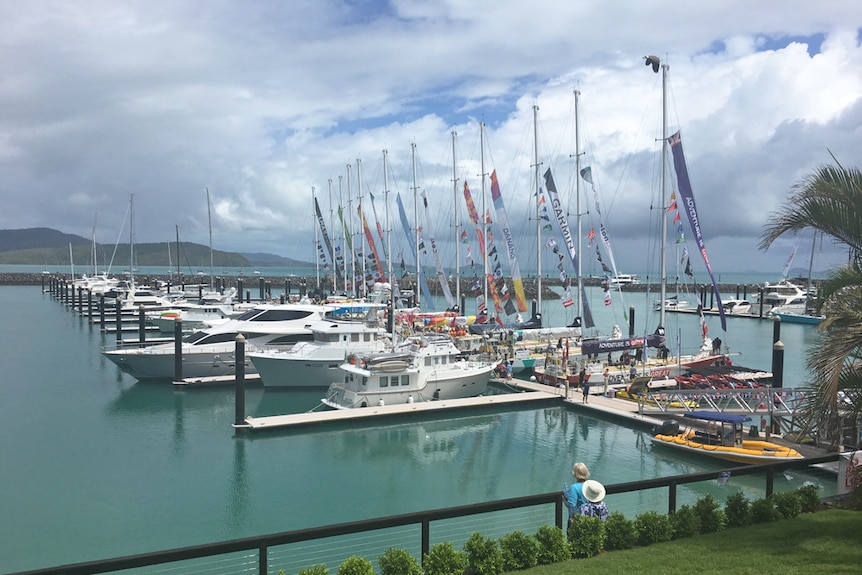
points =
(664, 152)
(343, 233)
(484, 221)
(334, 260)
(416, 220)
(350, 233)
(210, 221)
(538, 210)
(132, 240)
(316, 249)
(578, 199)
(457, 222)
(359, 232)
(178, 251)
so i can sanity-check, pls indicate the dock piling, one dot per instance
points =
(178, 349)
(239, 418)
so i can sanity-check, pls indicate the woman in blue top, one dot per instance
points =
(574, 493)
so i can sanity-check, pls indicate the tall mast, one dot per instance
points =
(332, 256)
(178, 251)
(350, 233)
(343, 233)
(484, 223)
(538, 210)
(210, 223)
(316, 249)
(457, 223)
(578, 199)
(132, 240)
(359, 233)
(664, 151)
(416, 221)
(389, 277)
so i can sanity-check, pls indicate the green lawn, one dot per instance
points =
(827, 542)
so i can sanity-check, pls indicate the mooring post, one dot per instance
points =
(260, 287)
(102, 326)
(90, 305)
(178, 349)
(118, 320)
(776, 329)
(239, 418)
(142, 326)
(631, 321)
(760, 299)
(778, 364)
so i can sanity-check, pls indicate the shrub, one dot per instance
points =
(519, 551)
(553, 546)
(685, 522)
(763, 510)
(788, 504)
(443, 559)
(398, 562)
(483, 556)
(710, 514)
(619, 532)
(321, 569)
(737, 510)
(809, 497)
(586, 536)
(653, 528)
(355, 565)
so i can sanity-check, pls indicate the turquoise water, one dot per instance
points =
(95, 465)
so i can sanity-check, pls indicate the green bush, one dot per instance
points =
(737, 510)
(710, 514)
(653, 528)
(519, 551)
(355, 565)
(553, 546)
(444, 559)
(483, 556)
(763, 511)
(398, 562)
(685, 522)
(321, 569)
(619, 532)
(809, 497)
(586, 536)
(788, 504)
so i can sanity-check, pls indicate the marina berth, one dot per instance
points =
(210, 352)
(422, 368)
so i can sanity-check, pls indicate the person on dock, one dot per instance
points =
(585, 386)
(594, 493)
(509, 369)
(633, 372)
(573, 494)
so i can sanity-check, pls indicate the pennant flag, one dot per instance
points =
(587, 174)
(684, 254)
(464, 237)
(672, 206)
(676, 218)
(688, 202)
(688, 271)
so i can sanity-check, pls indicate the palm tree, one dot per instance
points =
(830, 201)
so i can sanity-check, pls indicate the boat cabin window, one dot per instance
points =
(323, 337)
(354, 337)
(214, 338)
(258, 314)
(292, 339)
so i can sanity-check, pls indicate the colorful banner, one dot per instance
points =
(326, 239)
(563, 227)
(429, 302)
(685, 193)
(503, 223)
(441, 275)
(370, 239)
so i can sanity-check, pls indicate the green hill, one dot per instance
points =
(46, 246)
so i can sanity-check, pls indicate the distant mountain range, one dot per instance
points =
(47, 246)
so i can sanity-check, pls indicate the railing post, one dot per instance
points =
(671, 497)
(426, 539)
(558, 513)
(770, 480)
(262, 560)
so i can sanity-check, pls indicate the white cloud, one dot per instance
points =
(262, 101)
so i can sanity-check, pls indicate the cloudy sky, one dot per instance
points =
(261, 102)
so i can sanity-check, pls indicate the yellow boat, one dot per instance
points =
(723, 439)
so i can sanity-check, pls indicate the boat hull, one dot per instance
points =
(157, 363)
(750, 452)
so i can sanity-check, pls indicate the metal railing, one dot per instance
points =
(262, 544)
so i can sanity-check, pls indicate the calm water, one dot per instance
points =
(95, 465)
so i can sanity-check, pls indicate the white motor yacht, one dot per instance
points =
(425, 368)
